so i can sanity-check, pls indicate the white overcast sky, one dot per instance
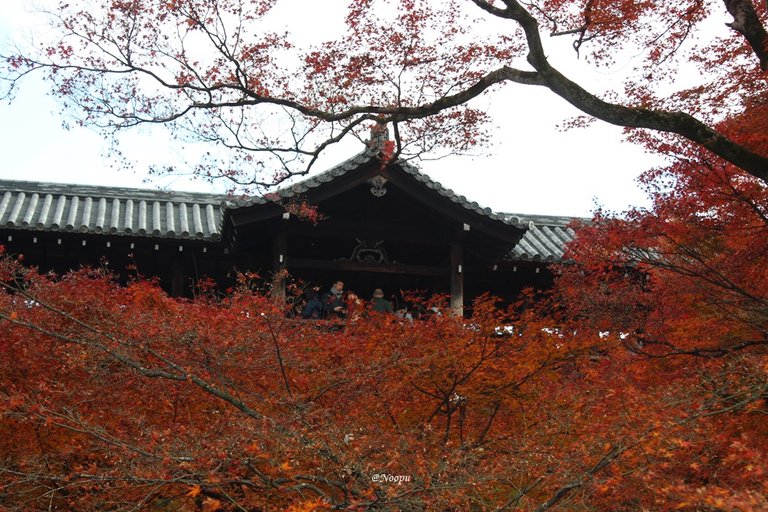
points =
(533, 167)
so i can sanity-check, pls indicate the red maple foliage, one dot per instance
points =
(639, 385)
(121, 398)
(215, 70)
(680, 290)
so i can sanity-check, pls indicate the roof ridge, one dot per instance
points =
(309, 182)
(544, 220)
(448, 193)
(75, 189)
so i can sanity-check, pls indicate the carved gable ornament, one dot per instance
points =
(377, 185)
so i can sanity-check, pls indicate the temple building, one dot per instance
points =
(381, 226)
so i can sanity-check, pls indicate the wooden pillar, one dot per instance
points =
(457, 279)
(278, 263)
(178, 274)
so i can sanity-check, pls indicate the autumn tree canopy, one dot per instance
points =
(122, 398)
(214, 70)
(684, 282)
(640, 384)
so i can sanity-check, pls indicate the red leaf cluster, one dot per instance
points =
(128, 398)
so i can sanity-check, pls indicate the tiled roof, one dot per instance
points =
(363, 158)
(304, 186)
(180, 215)
(109, 210)
(545, 238)
(450, 194)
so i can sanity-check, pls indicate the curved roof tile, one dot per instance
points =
(107, 210)
(545, 238)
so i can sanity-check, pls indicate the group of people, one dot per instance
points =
(335, 304)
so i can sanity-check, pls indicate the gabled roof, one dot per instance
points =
(544, 239)
(110, 210)
(41, 206)
(370, 156)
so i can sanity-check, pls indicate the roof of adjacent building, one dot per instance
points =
(545, 238)
(110, 210)
(28, 205)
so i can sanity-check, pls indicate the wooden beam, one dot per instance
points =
(383, 268)
(346, 229)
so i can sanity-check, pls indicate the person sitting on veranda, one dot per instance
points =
(314, 306)
(355, 306)
(379, 303)
(333, 301)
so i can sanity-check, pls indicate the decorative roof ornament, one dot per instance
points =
(379, 137)
(377, 185)
(381, 146)
(369, 251)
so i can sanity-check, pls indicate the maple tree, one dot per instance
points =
(122, 398)
(682, 286)
(214, 71)
(639, 385)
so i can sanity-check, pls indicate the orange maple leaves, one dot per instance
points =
(121, 388)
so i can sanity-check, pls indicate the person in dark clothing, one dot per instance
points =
(333, 301)
(314, 306)
(379, 303)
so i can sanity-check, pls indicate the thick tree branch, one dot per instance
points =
(747, 23)
(679, 123)
(237, 85)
